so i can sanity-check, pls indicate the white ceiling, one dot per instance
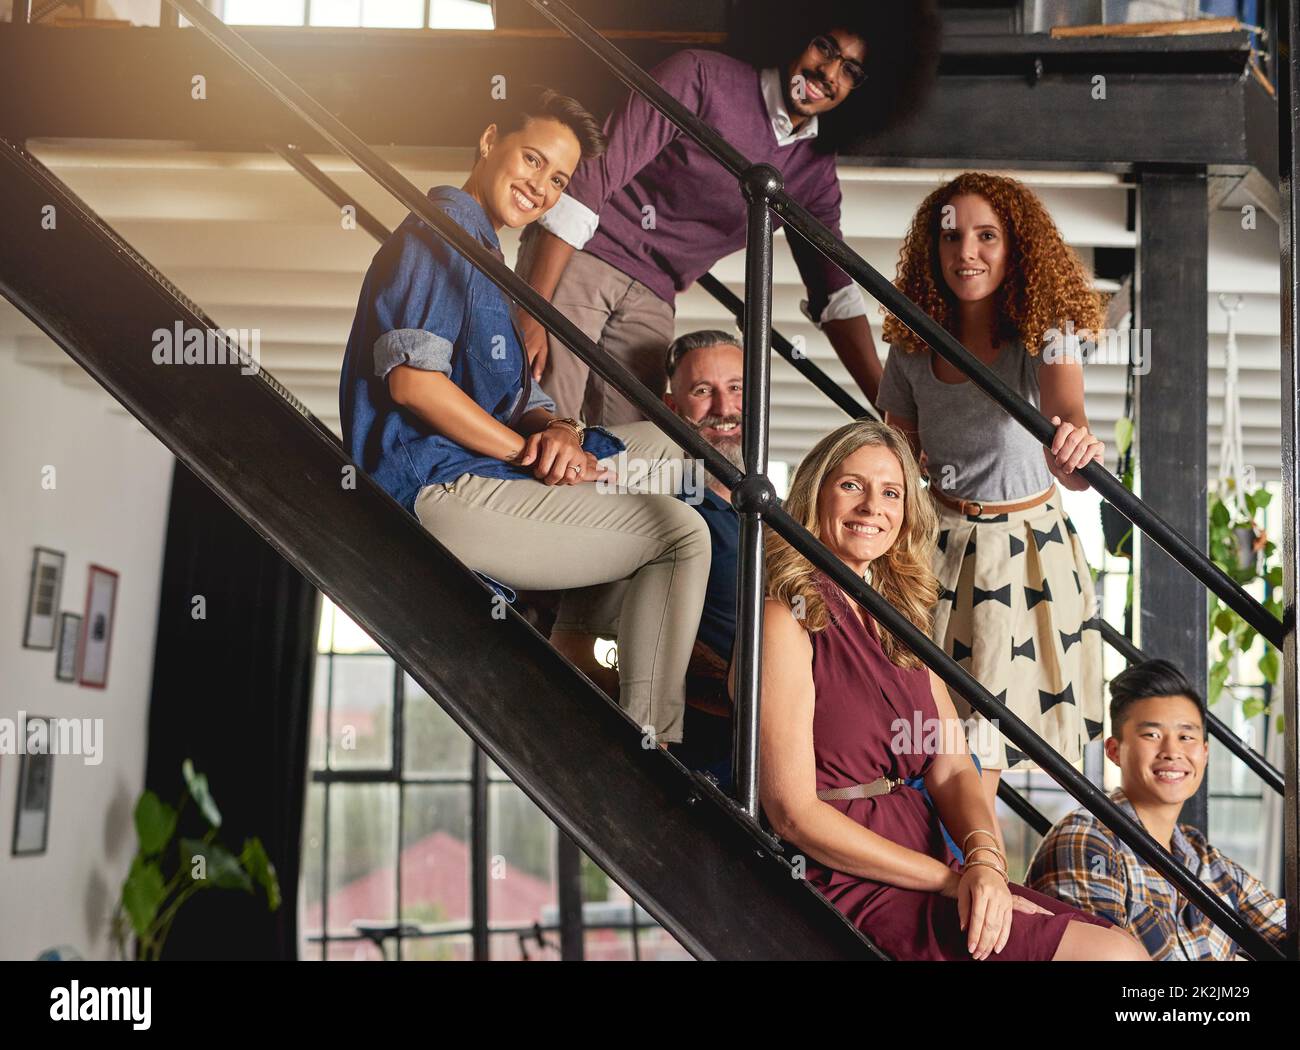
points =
(257, 247)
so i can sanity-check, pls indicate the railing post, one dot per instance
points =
(1288, 24)
(753, 494)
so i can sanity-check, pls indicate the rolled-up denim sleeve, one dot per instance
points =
(414, 347)
(421, 299)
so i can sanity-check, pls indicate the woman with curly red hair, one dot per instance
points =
(984, 259)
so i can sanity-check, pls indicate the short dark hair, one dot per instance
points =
(684, 344)
(1147, 679)
(537, 102)
(902, 38)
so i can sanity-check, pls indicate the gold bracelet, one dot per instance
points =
(991, 849)
(977, 831)
(565, 421)
(985, 864)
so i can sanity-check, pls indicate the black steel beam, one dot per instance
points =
(429, 89)
(699, 870)
(1173, 406)
(1289, 115)
(568, 879)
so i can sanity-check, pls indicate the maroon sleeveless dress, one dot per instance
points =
(860, 694)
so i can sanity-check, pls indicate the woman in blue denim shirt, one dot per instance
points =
(439, 407)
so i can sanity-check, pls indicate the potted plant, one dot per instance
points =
(1240, 546)
(163, 878)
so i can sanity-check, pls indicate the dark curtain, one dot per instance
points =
(232, 691)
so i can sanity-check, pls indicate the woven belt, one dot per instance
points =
(975, 509)
(883, 786)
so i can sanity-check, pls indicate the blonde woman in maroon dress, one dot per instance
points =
(848, 712)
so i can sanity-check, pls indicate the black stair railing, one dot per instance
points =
(935, 335)
(1113, 637)
(752, 493)
(303, 164)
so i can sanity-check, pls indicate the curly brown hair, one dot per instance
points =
(1046, 283)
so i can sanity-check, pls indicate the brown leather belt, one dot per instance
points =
(883, 786)
(976, 509)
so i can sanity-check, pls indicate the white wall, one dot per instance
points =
(109, 506)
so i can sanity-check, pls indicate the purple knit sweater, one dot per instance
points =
(699, 210)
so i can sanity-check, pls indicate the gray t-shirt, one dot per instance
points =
(973, 448)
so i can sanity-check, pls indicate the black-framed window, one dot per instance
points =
(417, 846)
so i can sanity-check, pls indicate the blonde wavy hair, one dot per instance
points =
(902, 574)
(1046, 284)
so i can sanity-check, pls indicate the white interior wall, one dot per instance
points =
(108, 506)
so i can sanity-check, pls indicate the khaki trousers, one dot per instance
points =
(623, 318)
(557, 537)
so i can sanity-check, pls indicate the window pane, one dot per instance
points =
(354, 951)
(521, 869)
(313, 859)
(461, 14)
(361, 730)
(264, 12)
(432, 742)
(515, 947)
(336, 12)
(435, 855)
(397, 14)
(362, 854)
(319, 708)
(456, 948)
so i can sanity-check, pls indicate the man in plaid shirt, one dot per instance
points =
(1158, 741)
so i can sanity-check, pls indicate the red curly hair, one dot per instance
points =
(1046, 284)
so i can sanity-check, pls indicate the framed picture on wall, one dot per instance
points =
(97, 627)
(32, 814)
(43, 595)
(65, 668)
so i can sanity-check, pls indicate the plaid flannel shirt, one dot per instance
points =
(1083, 863)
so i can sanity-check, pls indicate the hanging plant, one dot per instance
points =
(1241, 548)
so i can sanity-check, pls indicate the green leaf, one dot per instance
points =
(142, 894)
(1245, 636)
(259, 865)
(1268, 664)
(1219, 514)
(198, 787)
(1223, 621)
(1218, 675)
(1261, 498)
(1275, 576)
(1252, 706)
(155, 823)
(221, 868)
(1249, 499)
(1123, 434)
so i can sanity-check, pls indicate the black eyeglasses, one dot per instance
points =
(830, 50)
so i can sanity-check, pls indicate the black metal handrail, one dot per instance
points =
(800, 362)
(303, 164)
(1219, 729)
(939, 339)
(752, 494)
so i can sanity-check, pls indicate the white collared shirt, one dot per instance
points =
(782, 126)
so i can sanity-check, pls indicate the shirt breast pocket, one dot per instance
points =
(492, 342)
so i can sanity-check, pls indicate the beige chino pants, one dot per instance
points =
(558, 537)
(623, 318)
